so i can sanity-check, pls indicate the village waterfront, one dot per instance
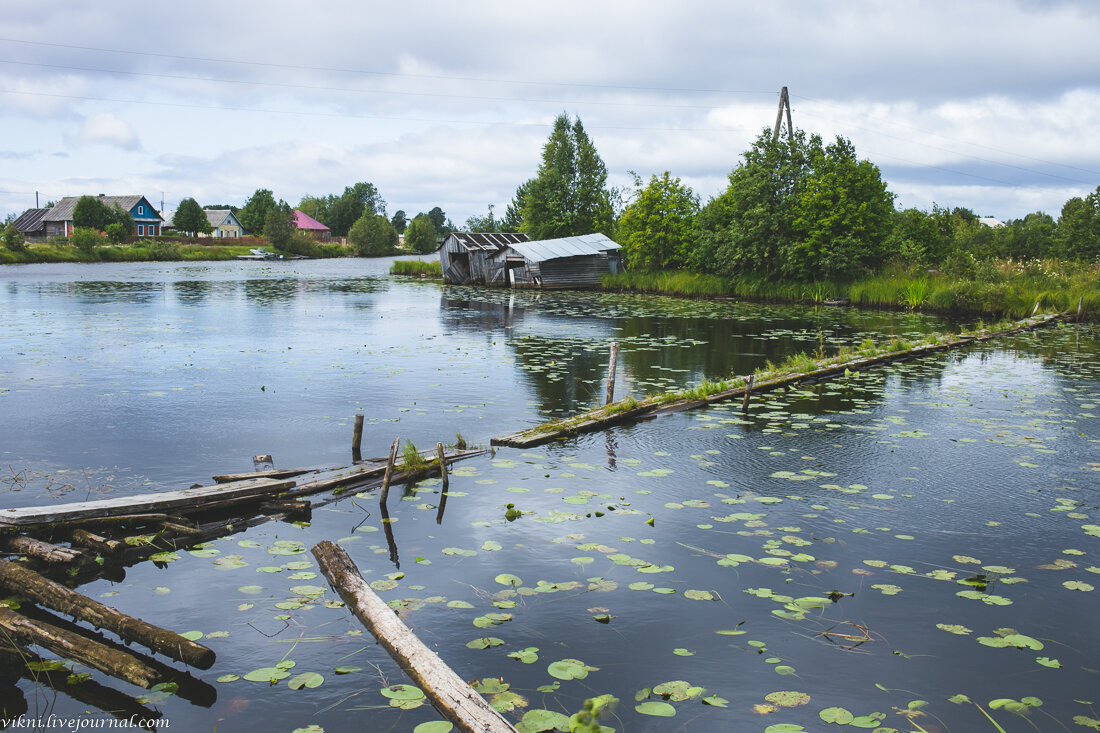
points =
(908, 545)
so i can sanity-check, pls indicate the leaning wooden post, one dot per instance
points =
(748, 391)
(449, 693)
(611, 372)
(446, 482)
(1080, 305)
(1036, 310)
(357, 439)
(389, 472)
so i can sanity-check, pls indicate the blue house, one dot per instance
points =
(147, 221)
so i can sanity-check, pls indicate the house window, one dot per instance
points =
(141, 230)
(141, 210)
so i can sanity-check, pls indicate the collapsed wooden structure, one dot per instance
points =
(510, 260)
(81, 541)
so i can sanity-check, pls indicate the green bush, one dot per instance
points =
(85, 240)
(117, 233)
(14, 239)
(166, 252)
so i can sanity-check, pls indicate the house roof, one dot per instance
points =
(552, 249)
(217, 217)
(990, 222)
(30, 220)
(491, 241)
(63, 210)
(305, 221)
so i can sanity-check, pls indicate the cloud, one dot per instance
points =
(103, 128)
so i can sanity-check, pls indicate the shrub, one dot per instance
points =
(14, 239)
(166, 252)
(85, 240)
(117, 233)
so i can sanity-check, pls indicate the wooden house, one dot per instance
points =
(31, 224)
(223, 224)
(147, 222)
(306, 224)
(465, 256)
(569, 262)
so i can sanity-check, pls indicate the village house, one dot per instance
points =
(147, 222)
(223, 224)
(30, 223)
(308, 225)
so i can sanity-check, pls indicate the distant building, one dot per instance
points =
(308, 225)
(990, 222)
(224, 224)
(464, 256)
(147, 222)
(31, 223)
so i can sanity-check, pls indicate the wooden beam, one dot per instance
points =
(45, 592)
(449, 693)
(202, 497)
(39, 550)
(77, 648)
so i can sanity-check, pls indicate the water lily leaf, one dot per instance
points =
(527, 656)
(192, 635)
(347, 669)
(787, 698)
(308, 680)
(955, 629)
(1077, 585)
(1048, 662)
(541, 721)
(784, 728)
(570, 669)
(508, 579)
(504, 702)
(785, 670)
(840, 716)
(484, 642)
(718, 702)
(435, 726)
(459, 604)
(271, 675)
(657, 708)
(228, 678)
(678, 690)
(699, 595)
(402, 692)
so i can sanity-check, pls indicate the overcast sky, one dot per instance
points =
(989, 104)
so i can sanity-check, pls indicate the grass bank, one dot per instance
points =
(417, 268)
(1000, 288)
(158, 250)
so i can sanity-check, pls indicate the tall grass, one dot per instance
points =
(417, 268)
(1001, 288)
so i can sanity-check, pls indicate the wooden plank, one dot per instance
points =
(45, 592)
(200, 498)
(225, 478)
(449, 693)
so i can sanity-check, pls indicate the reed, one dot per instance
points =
(417, 268)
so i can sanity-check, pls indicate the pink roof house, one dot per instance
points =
(309, 225)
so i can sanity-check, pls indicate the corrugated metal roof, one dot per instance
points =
(63, 210)
(552, 249)
(490, 241)
(30, 220)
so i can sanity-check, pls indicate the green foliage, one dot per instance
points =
(190, 218)
(411, 460)
(1078, 232)
(439, 221)
(429, 268)
(656, 228)
(117, 233)
(14, 239)
(420, 235)
(253, 215)
(85, 239)
(399, 221)
(166, 251)
(279, 225)
(485, 223)
(339, 213)
(91, 213)
(373, 236)
(569, 194)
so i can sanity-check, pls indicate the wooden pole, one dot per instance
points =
(389, 472)
(611, 363)
(29, 584)
(77, 648)
(357, 439)
(748, 391)
(442, 465)
(1080, 305)
(449, 693)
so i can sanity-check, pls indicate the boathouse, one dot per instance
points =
(511, 260)
(464, 256)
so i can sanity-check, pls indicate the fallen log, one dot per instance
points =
(96, 542)
(45, 592)
(276, 473)
(77, 648)
(89, 692)
(39, 550)
(451, 695)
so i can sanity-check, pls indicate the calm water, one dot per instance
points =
(889, 488)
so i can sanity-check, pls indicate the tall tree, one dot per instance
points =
(399, 221)
(439, 220)
(485, 223)
(279, 225)
(421, 235)
(373, 235)
(349, 207)
(1077, 235)
(568, 195)
(656, 227)
(91, 213)
(190, 218)
(253, 215)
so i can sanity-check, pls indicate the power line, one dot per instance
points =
(314, 87)
(372, 72)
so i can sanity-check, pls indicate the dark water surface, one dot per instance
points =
(889, 488)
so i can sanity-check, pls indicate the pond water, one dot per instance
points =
(882, 544)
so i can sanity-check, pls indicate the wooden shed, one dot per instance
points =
(464, 256)
(569, 262)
